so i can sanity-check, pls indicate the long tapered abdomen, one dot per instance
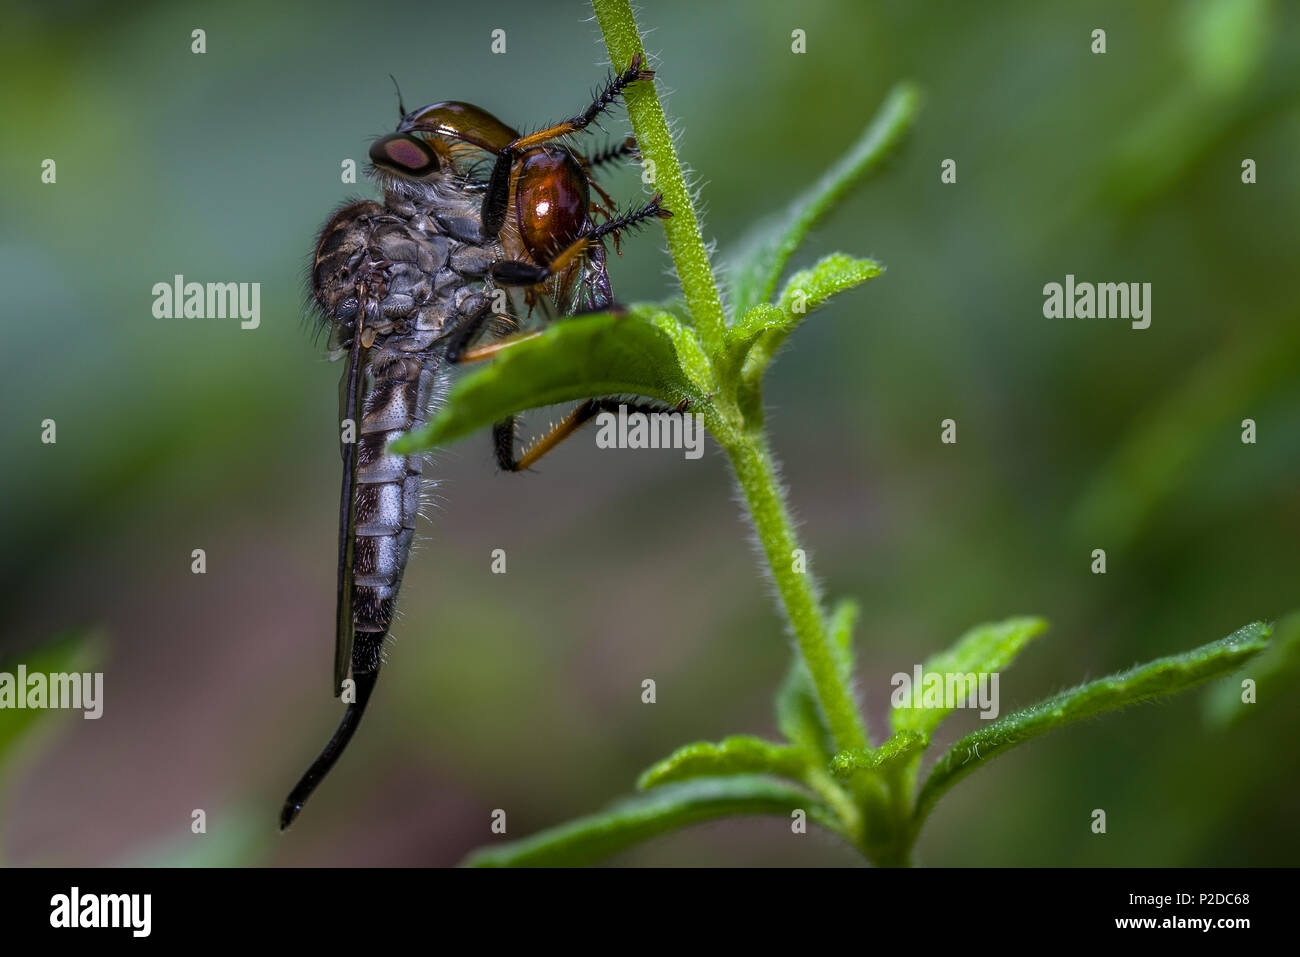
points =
(412, 295)
(387, 499)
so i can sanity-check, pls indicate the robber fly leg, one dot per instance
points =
(490, 349)
(503, 433)
(469, 329)
(459, 350)
(503, 437)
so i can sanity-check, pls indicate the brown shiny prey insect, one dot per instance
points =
(407, 287)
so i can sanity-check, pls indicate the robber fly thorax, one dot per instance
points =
(406, 288)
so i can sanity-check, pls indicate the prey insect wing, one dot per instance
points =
(593, 293)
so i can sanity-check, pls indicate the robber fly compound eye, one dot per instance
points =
(405, 155)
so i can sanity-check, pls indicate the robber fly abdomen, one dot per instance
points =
(387, 502)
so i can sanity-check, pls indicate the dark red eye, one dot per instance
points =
(551, 201)
(405, 154)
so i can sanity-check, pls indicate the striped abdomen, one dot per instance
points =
(387, 497)
(418, 283)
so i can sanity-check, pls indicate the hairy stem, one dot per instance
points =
(739, 434)
(646, 113)
(757, 476)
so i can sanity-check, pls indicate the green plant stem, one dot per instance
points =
(838, 800)
(757, 477)
(646, 114)
(740, 435)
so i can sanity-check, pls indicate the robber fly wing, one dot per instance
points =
(350, 390)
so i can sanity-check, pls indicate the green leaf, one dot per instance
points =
(636, 352)
(1142, 683)
(763, 318)
(755, 270)
(243, 842)
(985, 648)
(691, 356)
(1173, 435)
(67, 652)
(740, 754)
(840, 626)
(798, 716)
(809, 288)
(893, 754)
(1275, 672)
(648, 815)
(763, 329)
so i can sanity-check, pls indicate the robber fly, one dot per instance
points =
(405, 287)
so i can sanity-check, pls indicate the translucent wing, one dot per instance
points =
(350, 390)
(587, 288)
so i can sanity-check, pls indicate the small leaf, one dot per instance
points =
(892, 754)
(1276, 671)
(1142, 683)
(763, 329)
(690, 351)
(758, 266)
(809, 288)
(840, 626)
(798, 715)
(740, 754)
(648, 815)
(68, 652)
(762, 318)
(1171, 437)
(575, 358)
(985, 648)
(243, 842)
(65, 653)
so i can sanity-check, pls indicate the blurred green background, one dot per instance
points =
(522, 691)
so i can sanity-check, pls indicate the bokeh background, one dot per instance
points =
(522, 691)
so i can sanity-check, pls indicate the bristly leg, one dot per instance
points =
(633, 219)
(458, 343)
(504, 432)
(497, 197)
(602, 101)
(628, 148)
(516, 272)
(608, 155)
